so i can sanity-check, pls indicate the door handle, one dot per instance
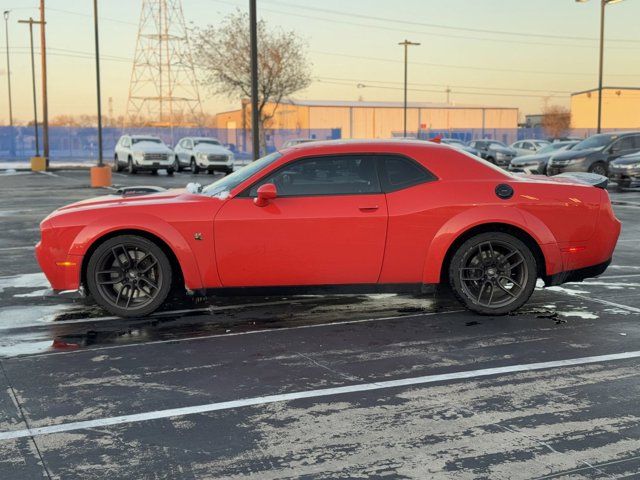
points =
(371, 208)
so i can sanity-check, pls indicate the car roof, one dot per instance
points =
(143, 136)
(368, 146)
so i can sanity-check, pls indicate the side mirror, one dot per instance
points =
(266, 193)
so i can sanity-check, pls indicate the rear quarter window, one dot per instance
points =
(400, 172)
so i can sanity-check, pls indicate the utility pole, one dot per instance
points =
(95, 29)
(45, 101)
(448, 90)
(31, 21)
(406, 45)
(6, 33)
(255, 117)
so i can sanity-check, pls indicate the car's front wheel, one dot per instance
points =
(129, 276)
(131, 168)
(599, 168)
(493, 273)
(194, 166)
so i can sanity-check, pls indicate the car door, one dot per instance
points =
(326, 226)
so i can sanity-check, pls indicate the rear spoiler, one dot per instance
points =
(139, 190)
(594, 179)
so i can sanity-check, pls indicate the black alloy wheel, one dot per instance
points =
(129, 276)
(599, 168)
(493, 273)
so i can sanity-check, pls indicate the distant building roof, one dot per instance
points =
(356, 103)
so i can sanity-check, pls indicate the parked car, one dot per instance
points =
(625, 171)
(371, 215)
(527, 147)
(595, 153)
(296, 141)
(143, 152)
(494, 151)
(537, 163)
(204, 153)
(459, 144)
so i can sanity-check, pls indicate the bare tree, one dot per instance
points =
(556, 121)
(223, 54)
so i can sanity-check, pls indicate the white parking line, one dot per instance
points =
(7, 249)
(325, 392)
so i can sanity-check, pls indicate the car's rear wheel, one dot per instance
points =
(493, 273)
(129, 276)
(599, 168)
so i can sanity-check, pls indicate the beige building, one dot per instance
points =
(620, 108)
(376, 119)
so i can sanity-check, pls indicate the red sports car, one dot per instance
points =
(356, 216)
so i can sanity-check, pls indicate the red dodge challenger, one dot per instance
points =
(353, 216)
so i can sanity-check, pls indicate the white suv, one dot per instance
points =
(202, 153)
(143, 152)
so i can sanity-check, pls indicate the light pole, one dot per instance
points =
(255, 119)
(45, 97)
(603, 4)
(31, 21)
(6, 32)
(95, 29)
(406, 45)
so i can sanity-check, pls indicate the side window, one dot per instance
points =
(188, 144)
(400, 172)
(517, 145)
(636, 142)
(331, 175)
(126, 142)
(624, 144)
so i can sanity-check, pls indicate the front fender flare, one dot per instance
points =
(149, 224)
(477, 216)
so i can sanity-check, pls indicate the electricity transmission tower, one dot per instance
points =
(163, 87)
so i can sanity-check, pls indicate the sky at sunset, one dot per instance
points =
(519, 53)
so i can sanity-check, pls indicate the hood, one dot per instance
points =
(505, 150)
(630, 159)
(571, 154)
(208, 148)
(117, 200)
(536, 157)
(150, 147)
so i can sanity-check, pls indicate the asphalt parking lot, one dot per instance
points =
(352, 386)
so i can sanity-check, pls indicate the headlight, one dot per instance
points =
(501, 156)
(231, 157)
(138, 155)
(203, 156)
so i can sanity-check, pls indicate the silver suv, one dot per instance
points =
(143, 152)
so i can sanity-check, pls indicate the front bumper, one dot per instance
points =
(628, 177)
(61, 269)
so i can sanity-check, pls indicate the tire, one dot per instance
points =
(116, 164)
(131, 168)
(493, 273)
(598, 168)
(194, 166)
(210, 172)
(129, 276)
(173, 168)
(491, 160)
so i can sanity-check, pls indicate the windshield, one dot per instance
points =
(226, 184)
(495, 143)
(551, 147)
(207, 142)
(597, 141)
(150, 140)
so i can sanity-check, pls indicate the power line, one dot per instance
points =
(469, 67)
(446, 85)
(418, 32)
(447, 27)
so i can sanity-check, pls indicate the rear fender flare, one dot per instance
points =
(474, 217)
(149, 224)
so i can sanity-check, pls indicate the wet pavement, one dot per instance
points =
(351, 386)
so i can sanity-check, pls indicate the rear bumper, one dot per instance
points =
(577, 275)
